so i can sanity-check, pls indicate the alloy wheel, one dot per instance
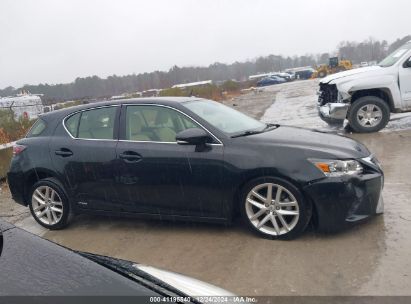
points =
(369, 115)
(47, 205)
(272, 209)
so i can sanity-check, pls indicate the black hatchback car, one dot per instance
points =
(191, 159)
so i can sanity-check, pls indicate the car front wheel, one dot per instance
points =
(48, 204)
(368, 114)
(275, 209)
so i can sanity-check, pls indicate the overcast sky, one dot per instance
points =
(56, 41)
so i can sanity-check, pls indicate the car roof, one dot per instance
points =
(170, 101)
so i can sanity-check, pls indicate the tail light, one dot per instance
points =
(17, 149)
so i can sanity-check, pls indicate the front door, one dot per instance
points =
(158, 176)
(405, 84)
(83, 151)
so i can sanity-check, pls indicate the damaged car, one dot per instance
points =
(191, 159)
(366, 96)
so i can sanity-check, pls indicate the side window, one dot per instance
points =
(154, 123)
(97, 123)
(38, 128)
(71, 124)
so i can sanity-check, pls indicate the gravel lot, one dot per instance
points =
(370, 259)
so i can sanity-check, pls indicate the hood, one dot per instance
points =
(32, 266)
(185, 284)
(315, 143)
(71, 273)
(355, 73)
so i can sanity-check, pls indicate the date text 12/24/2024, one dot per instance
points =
(204, 299)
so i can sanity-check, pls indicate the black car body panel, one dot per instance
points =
(172, 181)
(342, 201)
(32, 266)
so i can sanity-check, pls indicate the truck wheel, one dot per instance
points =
(369, 114)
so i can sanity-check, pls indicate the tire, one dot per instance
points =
(51, 192)
(298, 210)
(377, 109)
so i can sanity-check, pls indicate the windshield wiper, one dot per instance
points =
(246, 133)
(127, 269)
(270, 126)
(252, 132)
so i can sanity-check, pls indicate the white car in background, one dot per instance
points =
(366, 96)
(286, 76)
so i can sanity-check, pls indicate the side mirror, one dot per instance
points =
(407, 64)
(193, 136)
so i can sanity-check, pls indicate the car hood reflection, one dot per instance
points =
(311, 140)
(185, 284)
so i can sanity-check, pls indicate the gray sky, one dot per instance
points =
(56, 41)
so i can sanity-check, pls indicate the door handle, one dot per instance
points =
(130, 156)
(63, 152)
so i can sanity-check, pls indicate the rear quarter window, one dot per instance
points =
(37, 129)
(71, 124)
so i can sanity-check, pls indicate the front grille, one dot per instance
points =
(328, 93)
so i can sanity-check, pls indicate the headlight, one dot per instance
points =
(334, 168)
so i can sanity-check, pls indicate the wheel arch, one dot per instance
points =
(383, 93)
(235, 200)
(33, 177)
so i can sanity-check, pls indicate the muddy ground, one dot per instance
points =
(369, 259)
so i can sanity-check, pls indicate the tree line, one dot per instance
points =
(96, 87)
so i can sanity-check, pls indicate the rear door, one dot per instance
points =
(405, 84)
(83, 152)
(158, 176)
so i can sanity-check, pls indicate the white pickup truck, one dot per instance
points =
(366, 96)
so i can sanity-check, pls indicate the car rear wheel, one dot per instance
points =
(48, 204)
(275, 209)
(368, 114)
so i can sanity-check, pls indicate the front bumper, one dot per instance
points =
(340, 202)
(333, 113)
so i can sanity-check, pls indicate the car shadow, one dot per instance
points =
(237, 227)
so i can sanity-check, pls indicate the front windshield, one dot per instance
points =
(224, 118)
(395, 56)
